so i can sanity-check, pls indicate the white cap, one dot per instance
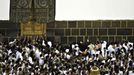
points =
(90, 59)
(68, 56)
(103, 61)
(57, 52)
(73, 46)
(70, 69)
(77, 48)
(67, 50)
(113, 59)
(46, 55)
(76, 45)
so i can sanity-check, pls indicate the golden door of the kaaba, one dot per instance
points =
(31, 28)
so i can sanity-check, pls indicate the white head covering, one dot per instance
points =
(68, 56)
(76, 45)
(77, 48)
(57, 52)
(73, 46)
(49, 43)
(67, 50)
(103, 61)
(113, 59)
(46, 55)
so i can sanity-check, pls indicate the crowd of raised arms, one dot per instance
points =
(40, 57)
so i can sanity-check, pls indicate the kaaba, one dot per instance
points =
(65, 31)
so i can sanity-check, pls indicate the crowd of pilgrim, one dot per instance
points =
(27, 56)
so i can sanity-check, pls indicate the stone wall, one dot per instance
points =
(8, 28)
(74, 31)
